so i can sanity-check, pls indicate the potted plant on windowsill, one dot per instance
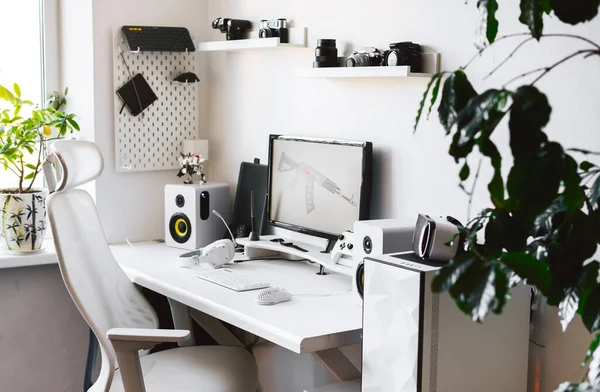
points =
(25, 130)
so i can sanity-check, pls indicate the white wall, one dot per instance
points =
(43, 339)
(255, 93)
(131, 204)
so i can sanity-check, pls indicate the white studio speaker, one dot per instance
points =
(189, 221)
(376, 238)
(415, 340)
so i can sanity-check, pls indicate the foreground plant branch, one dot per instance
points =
(544, 226)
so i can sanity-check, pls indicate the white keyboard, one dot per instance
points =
(232, 280)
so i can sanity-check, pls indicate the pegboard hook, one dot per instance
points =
(136, 51)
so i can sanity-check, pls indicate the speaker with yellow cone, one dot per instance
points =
(189, 221)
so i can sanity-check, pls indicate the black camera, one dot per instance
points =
(365, 57)
(403, 53)
(233, 28)
(275, 28)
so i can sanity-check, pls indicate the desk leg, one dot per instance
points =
(182, 320)
(337, 364)
(216, 329)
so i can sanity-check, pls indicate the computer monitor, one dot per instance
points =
(318, 187)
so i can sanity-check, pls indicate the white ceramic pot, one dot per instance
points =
(23, 220)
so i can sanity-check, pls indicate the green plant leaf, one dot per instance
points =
(496, 185)
(30, 166)
(586, 166)
(575, 11)
(434, 94)
(587, 282)
(492, 24)
(73, 123)
(535, 271)
(530, 195)
(591, 310)
(546, 7)
(456, 94)
(17, 90)
(475, 291)
(447, 276)
(29, 176)
(591, 350)
(595, 191)
(465, 171)
(437, 77)
(502, 286)
(481, 116)
(532, 14)
(529, 115)
(568, 307)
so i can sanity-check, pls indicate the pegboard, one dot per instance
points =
(153, 139)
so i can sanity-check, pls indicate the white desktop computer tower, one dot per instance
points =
(418, 341)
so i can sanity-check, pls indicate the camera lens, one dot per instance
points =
(326, 54)
(179, 201)
(265, 33)
(367, 245)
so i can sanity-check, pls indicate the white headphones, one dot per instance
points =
(216, 254)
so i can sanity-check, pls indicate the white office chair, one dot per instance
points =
(117, 313)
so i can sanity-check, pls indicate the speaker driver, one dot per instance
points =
(180, 228)
(360, 279)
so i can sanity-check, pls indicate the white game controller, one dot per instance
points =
(343, 247)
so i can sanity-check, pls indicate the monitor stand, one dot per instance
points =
(268, 247)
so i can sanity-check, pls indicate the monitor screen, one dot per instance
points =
(318, 186)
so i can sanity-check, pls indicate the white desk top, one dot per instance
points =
(304, 324)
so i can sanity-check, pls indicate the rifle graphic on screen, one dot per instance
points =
(312, 176)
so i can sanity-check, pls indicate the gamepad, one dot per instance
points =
(343, 247)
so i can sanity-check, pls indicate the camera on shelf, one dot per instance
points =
(365, 57)
(274, 28)
(403, 53)
(233, 28)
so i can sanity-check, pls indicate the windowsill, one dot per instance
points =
(16, 260)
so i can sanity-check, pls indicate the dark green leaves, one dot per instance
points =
(592, 349)
(535, 271)
(435, 82)
(491, 7)
(575, 11)
(464, 172)
(591, 310)
(532, 12)
(457, 93)
(481, 114)
(529, 115)
(449, 274)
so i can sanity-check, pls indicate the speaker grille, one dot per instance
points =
(433, 354)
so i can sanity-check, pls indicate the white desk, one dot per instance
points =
(305, 324)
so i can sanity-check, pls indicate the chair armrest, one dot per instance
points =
(128, 341)
(148, 335)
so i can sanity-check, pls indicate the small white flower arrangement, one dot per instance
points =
(192, 164)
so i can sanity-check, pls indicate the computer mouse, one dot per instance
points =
(272, 296)
(187, 77)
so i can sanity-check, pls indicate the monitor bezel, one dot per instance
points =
(365, 190)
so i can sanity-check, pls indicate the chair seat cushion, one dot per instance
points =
(195, 369)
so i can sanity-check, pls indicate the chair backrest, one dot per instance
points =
(102, 292)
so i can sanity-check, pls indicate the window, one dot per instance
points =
(23, 33)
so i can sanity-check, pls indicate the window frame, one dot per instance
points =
(50, 47)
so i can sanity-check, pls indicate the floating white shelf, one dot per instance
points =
(360, 72)
(297, 40)
(431, 64)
